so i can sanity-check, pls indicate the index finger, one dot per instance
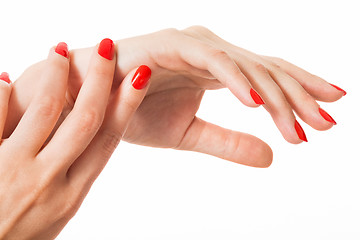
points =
(44, 110)
(220, 64)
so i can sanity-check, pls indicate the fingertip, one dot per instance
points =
(62, 49)
(256, 97)
(106, 49)
(343, 92)
(141, 77)
(253, 152)
(328, 93)
(321, 120)
(4, 76)
(249, 97)
(264, 156)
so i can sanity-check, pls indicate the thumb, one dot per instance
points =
(237, 147)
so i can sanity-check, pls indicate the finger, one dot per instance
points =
(251, 65)
(317, 87)
(5, 92)
(275, 101)
(234, 146)
(44, 110)
(303, 104)
(81, 125)
(121, 109)
(218, 63)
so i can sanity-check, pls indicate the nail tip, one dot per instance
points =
(326, 116)
(5, 77)
(300, 131)
(339, 88)
(62, 49)
(256, 97)
(304, 138)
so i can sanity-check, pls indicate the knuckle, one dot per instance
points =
(219, 54)
(71, 201)
(70, 205)
(275, 61)
(58, 62)
(198, 28)
(49, 106)
(89, 121)
(276, 66)
(110, 142)
(278, 59)
(130, 105)
(260, 67)
(101, 71)
(230, 145)
(170, 31)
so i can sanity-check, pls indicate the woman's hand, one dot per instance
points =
(44, 178)
(185, 64)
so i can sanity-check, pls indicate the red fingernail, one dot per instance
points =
(300, 132)
(340, 89)
(256, 97)
(62, 49)
(141, 77)
(326, 116)
(106, 48)
(5, 77)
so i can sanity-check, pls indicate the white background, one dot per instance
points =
(311, 191)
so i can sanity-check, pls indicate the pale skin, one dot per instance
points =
(43, 185)
(86, 114)
(185, 64)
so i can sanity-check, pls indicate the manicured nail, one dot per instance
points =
(256, 97)
(62, 49)
(300, 132)
(326, 116)
(5, 77)
(106, 48)
(141, 77)
(340, 89)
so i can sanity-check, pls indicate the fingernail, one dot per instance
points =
(256, 97)
(106, 48)
(340, 89)
(141, 77)
(300, 132)
(326, 116)
(5, 77)
(62, 49)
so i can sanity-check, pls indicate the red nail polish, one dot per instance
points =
(326, 116)
(141, 77)
(106, 48)
(340, 89)
(62, 49)
(5, 77)
(256, 97)
(300, 132)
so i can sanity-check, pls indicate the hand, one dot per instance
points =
(185, 64)
(43, 183)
